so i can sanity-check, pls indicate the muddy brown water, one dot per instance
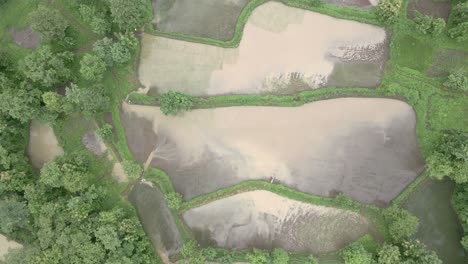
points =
(43, 145)
(363, 147)
(272, 54)
(156, 218)
(439, 226)
(6, 245)
(261, 219)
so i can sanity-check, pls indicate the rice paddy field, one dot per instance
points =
(306, 122)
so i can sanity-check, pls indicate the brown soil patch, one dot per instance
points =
(25, 38)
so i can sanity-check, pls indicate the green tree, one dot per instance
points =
(120, 53)
(438, 26)
(356, 254)
(459, 22)
(97, 20)
(450, 157)
(173, 102)
(108, 237)
(459, 32)
(389, 254)
(457, 80)
(87, 100)
(70, 172)
(257, 256)
(401, 224)
(423, 22)
(132, 169)
(46, 68)
(19, 100)
(14, 215)
(388, 10)
(102, 48)
(92, 67)
(129, 15)
(280, 256)
(49, 23)
(56, 102)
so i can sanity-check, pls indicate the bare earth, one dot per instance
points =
(273, 55)
(262, 219)
(43, 145)
(25, 38)
(6, 244)
(363, 147)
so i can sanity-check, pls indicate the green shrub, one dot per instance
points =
(389, 254)
(174, 200)
(132, 169)
(192, 254)
(105, 133)
(428, 25)
(388, 10)
(457, 80)
(356, 254)
(209, 253)
(173, 102)
(312, 260)
(279, 256)
(257, 256)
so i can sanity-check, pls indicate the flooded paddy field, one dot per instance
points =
(363, 147)
(287, 50)
(262, 219)
(205, 18)
(156, 218)
(439, 226)
(43, 145)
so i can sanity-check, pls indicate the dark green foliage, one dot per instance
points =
(56, 103)
(191, 253)
(132, 169)
(49, 23)
(388, 10)
(98, 21)
(173, 102)
(92, 67)
(70, 171)
(46, 68)
(129, 15)
(460, 204)
(428, 25)
(450, 157)
(174, 200)
(20, 100)
(279, 256)
(105, 133)
(356, 254)
(459, 22)
(401, 224)
(114, 52)
(389, 254)
(102, 48)
(13, 215)
(257, 256)
(457, 80)
(87, 100)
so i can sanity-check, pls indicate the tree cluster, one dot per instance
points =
(449, 157)
(457, 80)
(428, 25)
(459, 22)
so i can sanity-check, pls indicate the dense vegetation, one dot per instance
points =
(70, 212)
